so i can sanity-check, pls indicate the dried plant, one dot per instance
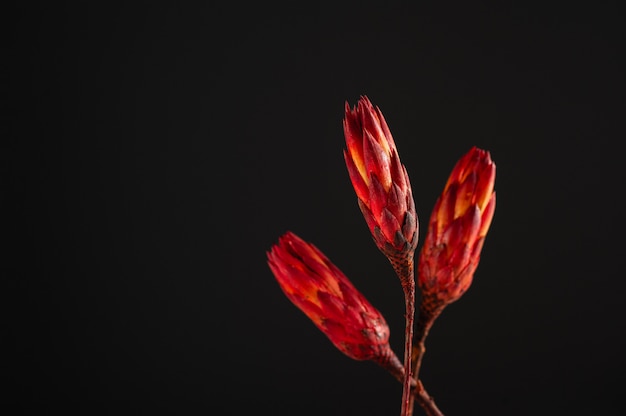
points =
(447, 261)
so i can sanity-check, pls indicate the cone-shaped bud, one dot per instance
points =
(380, 180)
(320, 290)
(457, 229)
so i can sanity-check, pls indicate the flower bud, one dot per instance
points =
(458, 225)
(380, 181)
(320, 290)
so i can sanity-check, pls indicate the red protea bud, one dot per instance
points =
(457, 229)
(380, 180)
(320, 290)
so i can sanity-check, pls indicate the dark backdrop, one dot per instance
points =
(155, 152)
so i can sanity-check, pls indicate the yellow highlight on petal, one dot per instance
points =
(360, 165)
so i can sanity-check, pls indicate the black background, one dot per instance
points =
(155, 153)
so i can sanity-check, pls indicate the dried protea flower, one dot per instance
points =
(384, 195)
(320, 290)
(380, 180)
(457, 229)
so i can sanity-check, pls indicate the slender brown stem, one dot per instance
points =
(425, 400)
(430, 309)
(409, 295)
(390, 362)
(404, 267)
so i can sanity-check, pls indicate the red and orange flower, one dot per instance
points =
(379, 179)
(320, 290)
(458, 225)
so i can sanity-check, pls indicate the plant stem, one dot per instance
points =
(430, 309)
(425, 400)
(405, 270)
(409, 296)
(390, 362)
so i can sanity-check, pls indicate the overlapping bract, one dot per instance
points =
(379, 179)
(320, 290)
(457, 228)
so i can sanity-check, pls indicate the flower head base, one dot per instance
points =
(457, 229)
(320, 290)
(380, 180)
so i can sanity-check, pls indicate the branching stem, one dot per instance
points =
(429, 311)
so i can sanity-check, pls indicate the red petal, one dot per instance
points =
(386, 131)
(336, 333)
(444, 277)
(460, 257)
(409, 228)
(487, 215)
(465, 195)
(371, 123)
(369, 218)
(353, 134)
(444, 209)
(427, 267)
(478, 246)
(376, 159)
(295, 281)
(452, 234)
(358, 183)
(471, 224)
(398, 173)
(399, 242)
(332, 306)
(389, 225)
(396, 202)
(456, 172)
(311, 310)
(352, 298)
(377, 197)
(484, 185)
